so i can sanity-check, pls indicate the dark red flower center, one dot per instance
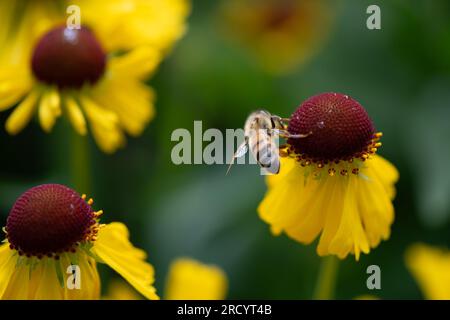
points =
(48, 219)
(340, 128)
(279, 14)
(68, 57)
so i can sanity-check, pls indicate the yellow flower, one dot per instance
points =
(332, 183)
(430, 267)
(120, 290)
(366, 297)
(189, 279)
(53, 233)
(93, 75)
(281, 34)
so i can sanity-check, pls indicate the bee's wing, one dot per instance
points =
(242, 150)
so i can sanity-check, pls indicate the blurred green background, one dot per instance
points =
(400, 74)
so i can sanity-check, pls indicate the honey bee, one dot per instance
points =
(260, 130)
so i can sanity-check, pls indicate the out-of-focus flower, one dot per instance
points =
(189, 279)
(120, 290)
(52, 231)
(281, 34)
(93, 75)
(367, 297)
(332, 182)
(430, 266)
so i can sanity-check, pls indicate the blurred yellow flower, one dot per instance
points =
(281, 34)
(93, 75)
(120, 290)
(430, 266)
(189, 279)
(53, 233)
(367, 297)
(332, 183)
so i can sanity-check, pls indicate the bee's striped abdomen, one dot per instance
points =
(264, 150)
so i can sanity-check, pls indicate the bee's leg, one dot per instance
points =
(280, 123)
(285, 122)
(287, 135)
(277, 132)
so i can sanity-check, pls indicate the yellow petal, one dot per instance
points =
(89, 277)
(49, 109)
(11, 92)
(366, 297)
(18, 286)
(333, 214)
(314, 210)
(430, 266)
(386, 173)
(376, 209)
(36, 19)
(286, 165)
(350, 236)
(281, 204)
(104, 126)
(189, 279)
(129, 24)
(48, 286)
(7, 267)
(352, 213)
(294, 203)
(130, 100)
(115, 249)
(75, 116)
(121, 290)
(22, 114)
(36, 279)
(138, 63)
(7, 9)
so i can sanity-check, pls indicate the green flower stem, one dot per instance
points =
(80, 174)
(326, 280)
